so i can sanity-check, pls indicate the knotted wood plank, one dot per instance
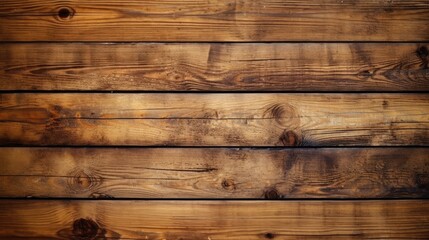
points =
(216, 20)
(215, 67)
(214, 173)
(215, 119)
(214, 219)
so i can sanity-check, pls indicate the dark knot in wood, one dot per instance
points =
(289, 138)
(422, 52)
(228, 184)
(85, 229)
(269, 235)
(82, 181)
(65, 13)
(272, 194)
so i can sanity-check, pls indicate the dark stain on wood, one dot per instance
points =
(422, 182)
(289, 162)
(385, 104)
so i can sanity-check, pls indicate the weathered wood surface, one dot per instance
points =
(215, 119)
(216, 20)
(215, 67)
(32, 219)
(214, 173)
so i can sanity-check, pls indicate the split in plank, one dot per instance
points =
(215, 119)
(401, 219)
(214, 173)
(215, 67)
(216, 20)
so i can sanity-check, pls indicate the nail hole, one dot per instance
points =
(65, 13)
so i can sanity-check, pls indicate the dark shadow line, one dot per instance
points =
(208, 91)
(211, 147)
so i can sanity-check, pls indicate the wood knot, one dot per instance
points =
(289, 138)
(269, 235)
(272, 194)
(422, 52)
(85, 229)
(82, 181)
(364, 74)
(65, 13)
(228, 184)
(284, 114)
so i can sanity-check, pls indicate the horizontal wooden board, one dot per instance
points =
(209, 220)
(215, 119)
(214, 173)
(215, 20)
(215, 67)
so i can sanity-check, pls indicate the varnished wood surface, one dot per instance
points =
(216, 20)
(210, 220)
(215, 119)
(214, 173)
(215, 67)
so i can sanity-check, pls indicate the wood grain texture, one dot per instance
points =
(172, 220)
(215, 20)
(214, 173)
(215, 119)
(215, 67)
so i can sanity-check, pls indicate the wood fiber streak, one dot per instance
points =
(214, 173)
(215, 20)
(215, 119)
(406, 219)
(215, 67)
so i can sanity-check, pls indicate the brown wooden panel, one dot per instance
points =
(215, 67)
(214, 173)
(216, 20)
(32, 219)
(215, 119)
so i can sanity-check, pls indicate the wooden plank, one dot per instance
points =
(215, 67)
(407, 219)
(215, 119)
(214, 173)
(216, 20)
